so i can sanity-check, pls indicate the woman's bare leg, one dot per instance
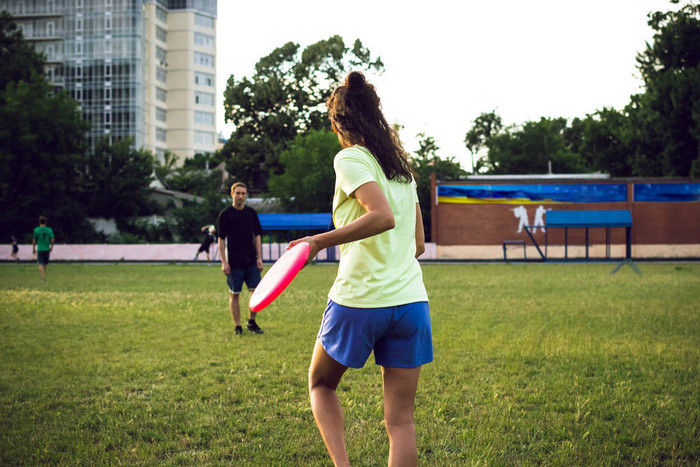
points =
(400, 386)
(324, 376)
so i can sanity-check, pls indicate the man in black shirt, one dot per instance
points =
(240, 249)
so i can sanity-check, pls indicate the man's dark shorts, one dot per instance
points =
(236, 278)
(42, 257)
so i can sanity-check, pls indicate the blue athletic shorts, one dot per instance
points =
(400, 336)
(236, 278)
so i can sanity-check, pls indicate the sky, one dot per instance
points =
(448, 61)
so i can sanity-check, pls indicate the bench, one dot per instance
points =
(589, 219)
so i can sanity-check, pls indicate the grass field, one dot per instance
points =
(534, 364)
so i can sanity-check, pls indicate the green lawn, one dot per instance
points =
(534, 364)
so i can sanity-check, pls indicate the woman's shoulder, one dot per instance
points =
(354, 155)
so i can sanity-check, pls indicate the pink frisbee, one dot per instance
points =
(279, 276)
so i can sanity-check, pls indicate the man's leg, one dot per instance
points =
(400, 385)
(324, 376)
(235, 307)
(252, 279)
(42, 272)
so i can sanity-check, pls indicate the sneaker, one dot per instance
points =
(253, 326)
(238, 330)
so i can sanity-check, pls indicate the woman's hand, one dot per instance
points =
(313, 243)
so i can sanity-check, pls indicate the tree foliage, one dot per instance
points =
(284, 97)
(42, 143)
(307, 182)
(19, 59)
(669, 111)
(426, 162)
(197, 176)
(116, 180)
(530, 149)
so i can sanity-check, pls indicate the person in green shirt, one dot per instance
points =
(42, 244)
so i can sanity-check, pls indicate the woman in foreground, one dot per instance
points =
(378, 301)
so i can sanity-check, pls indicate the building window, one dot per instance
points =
(161, 114)
(204, 40)
(78, 94)
(161, 55)
(203, 137)
(79, 47)
(161, 14)
(108, 68)
(108, 23)
(203, 79)
(79, 23)
(161, 34)
(108, 92)
(204, 59)
(50, 29)
(204, 118)
(108, 46)
(79, 70)
(204, 98)
(50, 52)
(161, 74)
(161, 135)
(108, 118)
(203, 21)
(161, 94)
(78, 3)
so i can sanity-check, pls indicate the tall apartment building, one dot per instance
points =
(143, 69)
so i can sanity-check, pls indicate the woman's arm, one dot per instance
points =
(378, 218)
(420, 234)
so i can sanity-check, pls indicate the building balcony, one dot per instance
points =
(39, 36)
(39, 11)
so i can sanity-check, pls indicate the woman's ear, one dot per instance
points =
(333, 127)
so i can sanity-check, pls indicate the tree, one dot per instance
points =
(116, 180)
(42, 142)
(165, 168)
(19, 59)
(485, 126)
(664, 123)
(531, 148)
(599, 140)
(307, 182)
(197, 176)
(284, 97)
(426, 162)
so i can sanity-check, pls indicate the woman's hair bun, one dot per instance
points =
(355, 79)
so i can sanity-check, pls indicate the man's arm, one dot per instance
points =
(225, 268)
(257, 241)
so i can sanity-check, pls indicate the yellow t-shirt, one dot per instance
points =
(382, 270)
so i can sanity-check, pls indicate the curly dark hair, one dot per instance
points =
(356, 114)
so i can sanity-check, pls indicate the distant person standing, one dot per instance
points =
(240, 248)
(207, 242)
(15, 248)
(42, 244)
